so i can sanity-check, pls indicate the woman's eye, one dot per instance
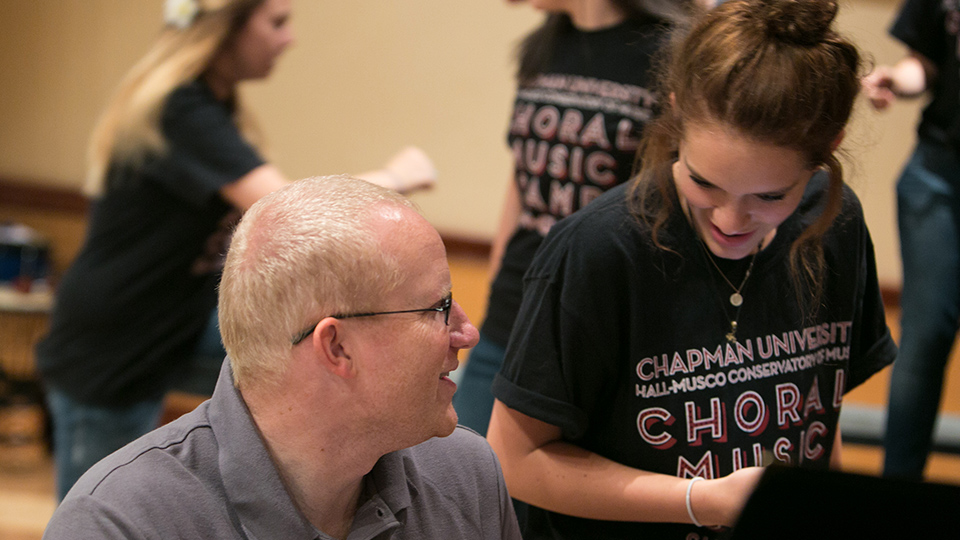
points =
(700, 182)
(771, 197)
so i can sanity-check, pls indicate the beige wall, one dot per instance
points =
(879, 143)
(365, 78)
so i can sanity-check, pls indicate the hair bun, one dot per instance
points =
(802, 22)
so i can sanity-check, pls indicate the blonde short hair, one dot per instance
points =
(301, 253)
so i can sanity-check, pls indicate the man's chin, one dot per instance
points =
(449, 424)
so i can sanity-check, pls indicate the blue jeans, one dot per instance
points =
(84, 434)
(928, 203)
(473, 400)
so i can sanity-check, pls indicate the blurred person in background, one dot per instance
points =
(174, 160)
(928, 210)
(585, 94)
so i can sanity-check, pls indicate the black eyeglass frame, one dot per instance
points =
(446, 304)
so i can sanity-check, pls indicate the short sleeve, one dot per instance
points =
(874, 342)
(205, 150)
(565, 348)
(531, 379)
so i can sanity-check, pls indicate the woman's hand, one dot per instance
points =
(719, 502)
(878, 87)
(412, 170)
(406, 171)
(542, 469)
(909, 78)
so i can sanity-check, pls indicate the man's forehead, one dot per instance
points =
(388, 220)
(423, 259)
(392, 213)
(407, 235)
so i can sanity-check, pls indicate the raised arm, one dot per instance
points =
(543, 470)
(909, 78)
(255, 184)
(408, 170)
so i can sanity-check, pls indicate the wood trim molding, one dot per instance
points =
(25, 194)
(464, 246)
(890, 295)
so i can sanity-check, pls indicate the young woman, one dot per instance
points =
(585, 94)
(706, 319)
(173, 161)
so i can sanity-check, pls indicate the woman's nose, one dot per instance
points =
(732, 217)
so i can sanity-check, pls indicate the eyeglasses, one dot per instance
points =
(444, 308)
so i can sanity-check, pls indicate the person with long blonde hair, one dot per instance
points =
(173, 161)
(707, 318)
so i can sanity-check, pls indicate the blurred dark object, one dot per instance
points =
(793, 503)
(24, 256)
(25, 300)
(23, 424)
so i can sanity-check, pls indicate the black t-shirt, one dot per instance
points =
(622, 345)
(129, 310)
(930, 27)
(574, 135)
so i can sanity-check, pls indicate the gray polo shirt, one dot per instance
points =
(208, 475)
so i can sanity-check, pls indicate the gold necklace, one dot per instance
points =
(736, 299)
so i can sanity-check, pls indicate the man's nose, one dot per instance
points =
(463, 334)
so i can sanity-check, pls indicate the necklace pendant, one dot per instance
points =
(736, 300)
(732, 334)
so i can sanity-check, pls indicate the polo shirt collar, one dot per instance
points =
(258, 496)
(389, 495)
(253, 486)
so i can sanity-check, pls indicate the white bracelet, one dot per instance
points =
(689, 506)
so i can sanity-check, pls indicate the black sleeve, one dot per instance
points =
(205, 150)
(874, 346)
(920, 26)
(565, 348)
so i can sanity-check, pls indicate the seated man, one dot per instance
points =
(336, 313)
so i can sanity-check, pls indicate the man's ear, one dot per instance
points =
(333, 349)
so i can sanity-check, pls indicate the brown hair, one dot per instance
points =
(776, 72)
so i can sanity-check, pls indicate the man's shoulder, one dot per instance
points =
(455, 487)
(464, 444)
(191, 431)
(164, 461)
(171, 471)
(464, 457)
